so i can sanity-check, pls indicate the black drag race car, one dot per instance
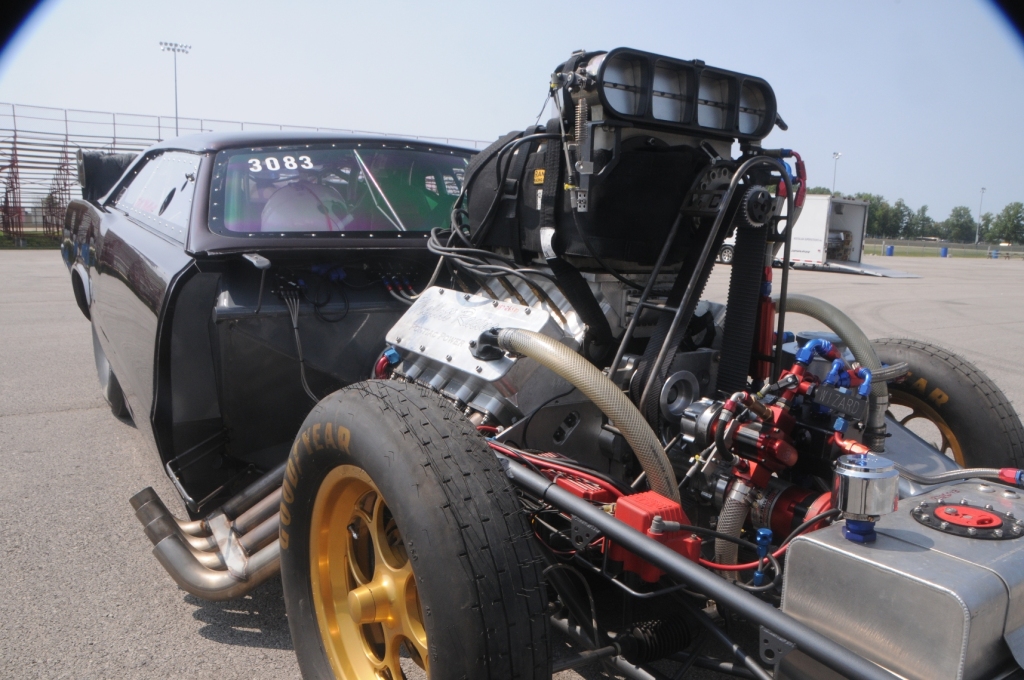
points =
(461, 399)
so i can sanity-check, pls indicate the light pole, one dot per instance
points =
(835, 166)
(174, 48)
(977, 229)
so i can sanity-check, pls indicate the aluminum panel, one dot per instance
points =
(925, 604)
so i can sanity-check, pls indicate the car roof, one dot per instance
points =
(217, 141)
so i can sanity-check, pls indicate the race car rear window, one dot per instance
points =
(160, 194)
(323, 188)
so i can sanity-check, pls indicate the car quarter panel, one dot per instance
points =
(131, 279)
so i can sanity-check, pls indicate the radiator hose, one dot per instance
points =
(596, 386)
(863, 352)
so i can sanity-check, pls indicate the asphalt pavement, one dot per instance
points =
(82, 597)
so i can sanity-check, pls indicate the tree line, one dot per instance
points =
(898, 220)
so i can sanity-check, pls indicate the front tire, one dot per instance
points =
(400, 536)
(976, 424)
(725, 255)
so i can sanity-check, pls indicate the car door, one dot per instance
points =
(141, 252)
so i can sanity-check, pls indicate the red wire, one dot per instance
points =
(546, 463)
(487, 428)
(740, 567)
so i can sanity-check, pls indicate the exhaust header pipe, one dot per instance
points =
(228, 553)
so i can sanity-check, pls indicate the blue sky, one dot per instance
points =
(922, 97)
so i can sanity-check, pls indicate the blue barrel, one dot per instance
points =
(995, 254)
(889, 250)
(944, 252)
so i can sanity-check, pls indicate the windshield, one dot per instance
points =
(334, 188)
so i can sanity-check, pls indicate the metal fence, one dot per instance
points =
(38, 145)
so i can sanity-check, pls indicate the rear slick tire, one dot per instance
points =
(400, 535)
(977, 424)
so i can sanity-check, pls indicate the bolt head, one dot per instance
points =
(422, 347)
(988, 506)
(964, 501)
(922, 504)
(448, 357)
(971, 531)
(398, 339)
(528, 310)
(479, 369)
(472, 343)
(926, 518)
(494, 304)
(944, 525)
(441, 291)
(466, 296)
(998, 533)
(1017, 529)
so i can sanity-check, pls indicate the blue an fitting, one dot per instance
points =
(840, 425)
(763, 539)
(788, 336)
(836, 375)
(865, 388)
(860, 531)
(817, 346)
(392, 355)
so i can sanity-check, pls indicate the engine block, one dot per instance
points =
(436, 336)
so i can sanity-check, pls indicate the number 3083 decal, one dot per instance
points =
(271, 163)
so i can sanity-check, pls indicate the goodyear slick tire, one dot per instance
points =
(477, 569)
(977, 412)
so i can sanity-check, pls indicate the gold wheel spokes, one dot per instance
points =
(364, 588)
(919, 410)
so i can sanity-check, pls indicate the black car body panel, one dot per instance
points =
(207, 362)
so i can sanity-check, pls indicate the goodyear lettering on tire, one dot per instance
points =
(334, 437)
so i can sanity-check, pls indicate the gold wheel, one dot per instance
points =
(364, 590)
(944, 439)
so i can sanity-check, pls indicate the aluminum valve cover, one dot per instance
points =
(434, 338)
(924, 603)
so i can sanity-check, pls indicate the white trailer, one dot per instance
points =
(828, 236)
(830, 231)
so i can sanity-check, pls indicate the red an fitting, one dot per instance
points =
(1012, 476)
(850, 446)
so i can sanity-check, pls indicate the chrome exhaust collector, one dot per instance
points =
(228, 553)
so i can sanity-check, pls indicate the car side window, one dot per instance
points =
(161, 193)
